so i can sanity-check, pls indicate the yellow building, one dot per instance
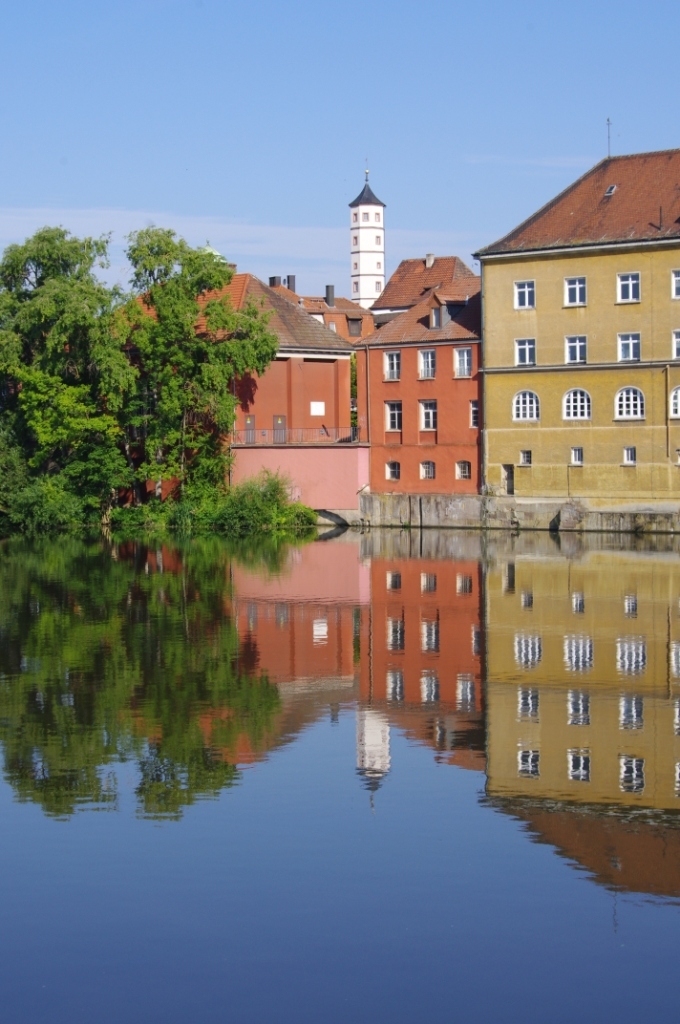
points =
(583, 679)
(582, 341)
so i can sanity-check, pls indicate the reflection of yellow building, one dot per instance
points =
(582, 340)
(583, 693)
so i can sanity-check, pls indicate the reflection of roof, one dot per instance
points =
(414, 324)
(621, 199)
(624, 848)
(366, 197)
(413, 278)
(295, 329)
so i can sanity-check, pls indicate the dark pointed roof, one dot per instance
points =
(366, 197)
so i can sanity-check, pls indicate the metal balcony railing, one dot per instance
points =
(296, 435)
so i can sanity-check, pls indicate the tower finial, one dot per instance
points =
(366, 171)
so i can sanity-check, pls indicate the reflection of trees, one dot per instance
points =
(117, 652)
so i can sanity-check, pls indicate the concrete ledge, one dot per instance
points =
(475, 511)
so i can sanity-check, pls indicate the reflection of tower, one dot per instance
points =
(373, 747)
(367, 250)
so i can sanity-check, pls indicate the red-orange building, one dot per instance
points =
(419, 389)
(344, 317)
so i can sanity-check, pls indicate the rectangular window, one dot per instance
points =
(628, 287)
(378, 264)
(395, 634)
(629, 456)
(427, 359)
(377, 218)
(629, 348)
(436, 317)
(378, 286)
(392, 365)
(525, 457)
(675, 284)
(575, 348)
(392, 415)
(574, 291)
(676, 343)
(355, 239)
(463, 362)
(427, 470)
(463, 471)
(474, 414)
(377, 239)
(578, 708)
(364, 216)
(393, 580)
(577, 456)
(354, 328)
(578, 765)
(428, 415)
(525, 352)
(392, 470)
(428, 583)
(355, 218)
(355, 286)
(528, 762)
(525, 295)
(631, 774)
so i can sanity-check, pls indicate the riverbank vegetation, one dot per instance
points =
(115, 406)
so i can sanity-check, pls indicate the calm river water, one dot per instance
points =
(374, 778)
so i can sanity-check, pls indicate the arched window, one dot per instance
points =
(525, 406)
(629, 404)
(675, 402)
(577, 405)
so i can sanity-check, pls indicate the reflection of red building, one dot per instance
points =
(421, 651)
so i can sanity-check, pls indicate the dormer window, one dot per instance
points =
(436, 317)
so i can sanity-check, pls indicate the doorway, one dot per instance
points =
(507, 479)
(250, 430)
(279, 430)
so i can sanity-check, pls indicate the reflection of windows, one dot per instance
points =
(527, 599)
(251, 612)
(463, 584)
(528, 650)
(465, 693)
(578, 708)
(630, 606)
(631, 656)
(630, 713)
(528, 764)
(631, 774)
(429, 687)
(395, 685)
(676, 717)
(675, 659)
(578, 653)
(476, 640)
(677, 779)
(428, 583)
(578, 765)
(393, 580)
(527, 703)
(578, 603)
(509, 578)
(395, 634)
(281, 613)
(320, 632)
(429, 636)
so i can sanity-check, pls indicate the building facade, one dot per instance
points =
(582, 341)
(367, 246)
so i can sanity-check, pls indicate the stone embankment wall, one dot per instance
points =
(511, 513)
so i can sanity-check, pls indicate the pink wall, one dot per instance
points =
(321, 476)
(319, 572)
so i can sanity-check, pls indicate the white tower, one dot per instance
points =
(373, 747)
(367, 238)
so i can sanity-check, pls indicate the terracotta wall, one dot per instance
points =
(289, 386)
(321, 476)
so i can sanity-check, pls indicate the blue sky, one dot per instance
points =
(248, 124)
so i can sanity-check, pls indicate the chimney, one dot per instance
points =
(330, 294)
(274, 281)
(290, 282)
(429, 260)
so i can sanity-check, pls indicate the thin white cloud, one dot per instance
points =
(316, 255)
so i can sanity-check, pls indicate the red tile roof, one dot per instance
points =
(413, 278)
(643, 206)
(414, 324)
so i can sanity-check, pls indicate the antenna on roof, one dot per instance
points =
(609, 138)
(367, 172)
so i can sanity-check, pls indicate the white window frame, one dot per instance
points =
(526, 401)
(577, 456)
(463, 470)
(425, 356)
(675, 284)
(628, 280)
(436, 318)
(632, 340)
(428, 470)
(578, 342)
(396, 410)
(462, 361)
(394, 357)
(675, 345)
(630, 455)
(629, 396)
(578, 284)
(428, 414)
(474, 412)
(525, 457)
(525, 351)
(525, 291)
(390, 470)
(576, 405)
(675, 404)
